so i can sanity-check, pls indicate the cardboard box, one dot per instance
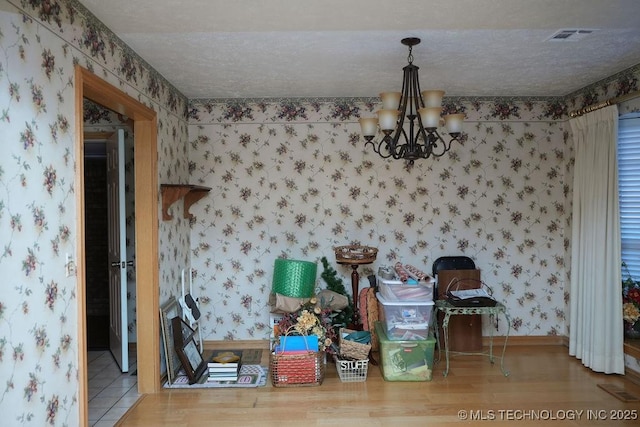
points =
(405, 360)
(465, 332)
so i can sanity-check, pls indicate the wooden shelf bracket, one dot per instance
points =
(171, 193)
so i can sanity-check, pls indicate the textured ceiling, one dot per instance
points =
(338, 48)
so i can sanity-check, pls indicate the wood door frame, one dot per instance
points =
(90, 86)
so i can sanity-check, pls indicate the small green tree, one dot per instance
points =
(334, 283)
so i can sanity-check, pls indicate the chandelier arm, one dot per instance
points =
(402, 108)
(389, 149)
(414, 88)
(399, 131)
(394, 146)
(437, 138)
(402, 149)
(370, 142)
(399, 151)
(410, 98)
(426, 148)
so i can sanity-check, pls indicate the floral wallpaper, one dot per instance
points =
(40, 42)
(288, 178)
(292, 179)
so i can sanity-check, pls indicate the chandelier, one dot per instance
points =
(422, 110)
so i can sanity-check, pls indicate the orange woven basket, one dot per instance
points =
(296, 370)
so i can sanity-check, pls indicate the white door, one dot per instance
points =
(118, 335)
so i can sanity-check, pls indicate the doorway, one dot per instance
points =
(101, 304)
(88, 85)
(96, 242)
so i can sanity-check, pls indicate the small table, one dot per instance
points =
(355, 282)
(450, 310)
(355, 255)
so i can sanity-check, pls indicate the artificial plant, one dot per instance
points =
(334, 283)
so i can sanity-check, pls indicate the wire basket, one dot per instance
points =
(351, 371)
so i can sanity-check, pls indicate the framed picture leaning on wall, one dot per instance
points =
(187, 348)
(168, 311)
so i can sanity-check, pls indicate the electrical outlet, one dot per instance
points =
(69, 266)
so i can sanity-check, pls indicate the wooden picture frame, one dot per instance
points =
(187, 349)
(168, 311)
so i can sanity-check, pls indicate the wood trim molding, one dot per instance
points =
(97, 136)
(83, 377)
(235, 344)
(497, 341)
(525, 340)
(92, 87)
(632, 350)
(633, 376)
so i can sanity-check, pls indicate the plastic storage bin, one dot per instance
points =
(405, 360)
(395, 290)
(406, 320)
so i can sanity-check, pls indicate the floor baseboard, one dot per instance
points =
(525, 340)
(497, 341)
(631, 375)
(632, 348)
(236, 344)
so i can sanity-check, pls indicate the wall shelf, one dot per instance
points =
(171, 193)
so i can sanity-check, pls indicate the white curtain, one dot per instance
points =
(596, 328)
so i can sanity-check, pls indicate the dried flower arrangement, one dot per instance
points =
(631, 303)
(310, 319)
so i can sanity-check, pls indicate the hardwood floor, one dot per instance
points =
(546, 387)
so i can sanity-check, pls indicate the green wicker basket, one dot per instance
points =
(294, 278)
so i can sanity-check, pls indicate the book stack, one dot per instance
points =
(224, 365)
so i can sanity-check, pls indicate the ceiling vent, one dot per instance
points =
(570, 35)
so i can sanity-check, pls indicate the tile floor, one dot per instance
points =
(111, 392)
